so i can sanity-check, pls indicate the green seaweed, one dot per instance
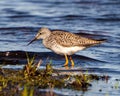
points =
(31, 78)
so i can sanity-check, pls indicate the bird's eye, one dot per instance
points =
(40, 33)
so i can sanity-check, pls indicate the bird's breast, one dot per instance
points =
(59, 49)
(66, 50)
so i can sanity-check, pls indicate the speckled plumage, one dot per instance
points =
(64, 43)
(68, 39)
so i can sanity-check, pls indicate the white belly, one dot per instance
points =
(66, 50)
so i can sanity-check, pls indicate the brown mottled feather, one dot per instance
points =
(69, 39)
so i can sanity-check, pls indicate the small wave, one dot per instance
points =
(73, 17)
(108, 19)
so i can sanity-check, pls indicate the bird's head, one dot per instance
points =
(42, 34)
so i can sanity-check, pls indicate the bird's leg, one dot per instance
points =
(72, 62)
(66, 60)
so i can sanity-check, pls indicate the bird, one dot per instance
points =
(64, 42)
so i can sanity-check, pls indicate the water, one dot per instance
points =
(21, 19)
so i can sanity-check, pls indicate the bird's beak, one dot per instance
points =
(32, 41)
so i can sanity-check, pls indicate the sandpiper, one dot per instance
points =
(64, 43)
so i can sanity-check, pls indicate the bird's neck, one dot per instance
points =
(47, 36)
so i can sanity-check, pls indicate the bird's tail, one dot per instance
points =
(101, 41)
(94, 42)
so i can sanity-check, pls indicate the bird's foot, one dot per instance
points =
(66, 61)
(66, 64)
(72, 62)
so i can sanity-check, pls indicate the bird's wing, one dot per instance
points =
(69, 39)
